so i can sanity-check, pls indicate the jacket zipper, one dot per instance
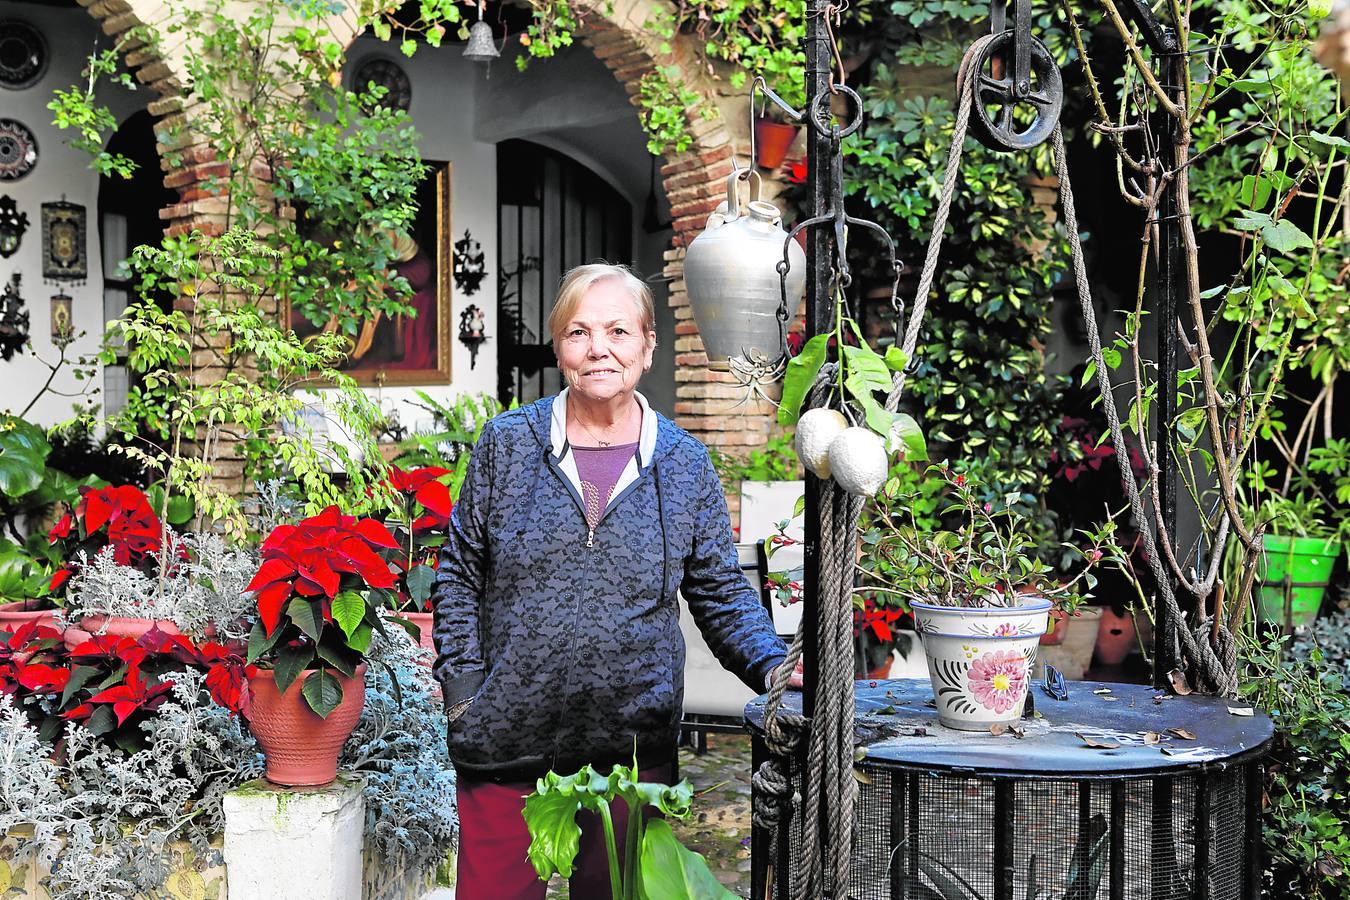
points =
(590, 537)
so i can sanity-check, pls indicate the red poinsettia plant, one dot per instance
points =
(420, 521)
(109, 684)
(317, 601)
(118, 517)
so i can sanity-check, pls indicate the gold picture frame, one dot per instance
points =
(394, 351)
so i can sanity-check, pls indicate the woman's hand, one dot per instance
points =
(795, 682)
(457, 710)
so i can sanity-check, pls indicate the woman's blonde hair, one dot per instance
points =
(581, 279)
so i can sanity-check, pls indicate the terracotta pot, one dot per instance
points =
(17, 613)
(126, 626)
(882, 671)
(772, 141)
(1058, 626)
(300, 748)
(1115, 637)
(423, 623)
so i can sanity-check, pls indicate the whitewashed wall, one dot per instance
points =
(71, 35)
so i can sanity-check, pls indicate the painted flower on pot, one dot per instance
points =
(421, 521)
(998, 680)
(318, 592)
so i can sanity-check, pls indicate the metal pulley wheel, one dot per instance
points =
(1011, 113)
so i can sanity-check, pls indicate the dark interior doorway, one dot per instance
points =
(553, 213)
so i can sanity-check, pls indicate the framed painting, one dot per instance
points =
(410, 349)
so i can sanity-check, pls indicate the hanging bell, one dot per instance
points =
(731, 273)
(481, 48)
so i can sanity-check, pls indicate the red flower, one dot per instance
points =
(61, 529)
(314, 557)
(409, 482)
(877, 618)
(42, 679)
(60, 577)
(136, 694)
(796, 172)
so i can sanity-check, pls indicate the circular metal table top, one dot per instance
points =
(1138, 731)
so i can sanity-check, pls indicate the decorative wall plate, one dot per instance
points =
(18, 150)
(23, 54)
(387, 74)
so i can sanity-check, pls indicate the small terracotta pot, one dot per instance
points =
(772, 141)
(17, 613)
(1115, 637)
(299, 748)
(881, 671)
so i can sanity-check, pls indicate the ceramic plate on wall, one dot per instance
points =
(23, 54)
(18, 150)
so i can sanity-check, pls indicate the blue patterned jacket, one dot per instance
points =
(568, 640)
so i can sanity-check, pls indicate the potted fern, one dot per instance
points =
(317, 609)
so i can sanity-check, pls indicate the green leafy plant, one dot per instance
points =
(775, 461)
(981, 557)
(656, 865)
(1306, 826)
(456, 429)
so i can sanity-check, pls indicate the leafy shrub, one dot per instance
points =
(1307, 811)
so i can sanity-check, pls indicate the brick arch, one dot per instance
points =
(708, 404)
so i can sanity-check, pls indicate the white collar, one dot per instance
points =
(559, 446)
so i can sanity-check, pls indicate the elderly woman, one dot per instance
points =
(556, 620)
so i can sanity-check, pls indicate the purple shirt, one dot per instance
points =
(599, 469)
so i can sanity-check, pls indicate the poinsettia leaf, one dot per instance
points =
(376, 533)
(270, 600)
(349, 608)
(435, 497)
(322, 692)
(420, 580)
(102, 721)
(413, 629)
(79, 676)
(260, 642)
(334, 656)
(291, 661)
(307, 616)
(359, 640)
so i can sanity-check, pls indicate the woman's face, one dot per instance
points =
(602, 351)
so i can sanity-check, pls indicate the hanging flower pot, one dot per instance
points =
(980, 659)
(300, 748)
(772, 142)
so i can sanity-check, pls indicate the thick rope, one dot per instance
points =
(1218, 674)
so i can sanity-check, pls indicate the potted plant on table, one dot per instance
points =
(980, 596)
(317, 607)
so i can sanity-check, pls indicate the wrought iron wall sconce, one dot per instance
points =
(472, 331)
(13, 224)
(13, 319)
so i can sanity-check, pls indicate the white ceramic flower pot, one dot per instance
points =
(980, 659)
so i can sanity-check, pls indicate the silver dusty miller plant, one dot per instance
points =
(205, 587)
(102, 819)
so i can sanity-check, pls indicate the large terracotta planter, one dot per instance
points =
(17, 613)
(299, 748)
(980, 659)
(1115, 637)
(126, 626)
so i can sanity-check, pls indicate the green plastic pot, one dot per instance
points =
(1299, 566)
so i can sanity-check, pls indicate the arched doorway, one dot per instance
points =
(553, 213)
